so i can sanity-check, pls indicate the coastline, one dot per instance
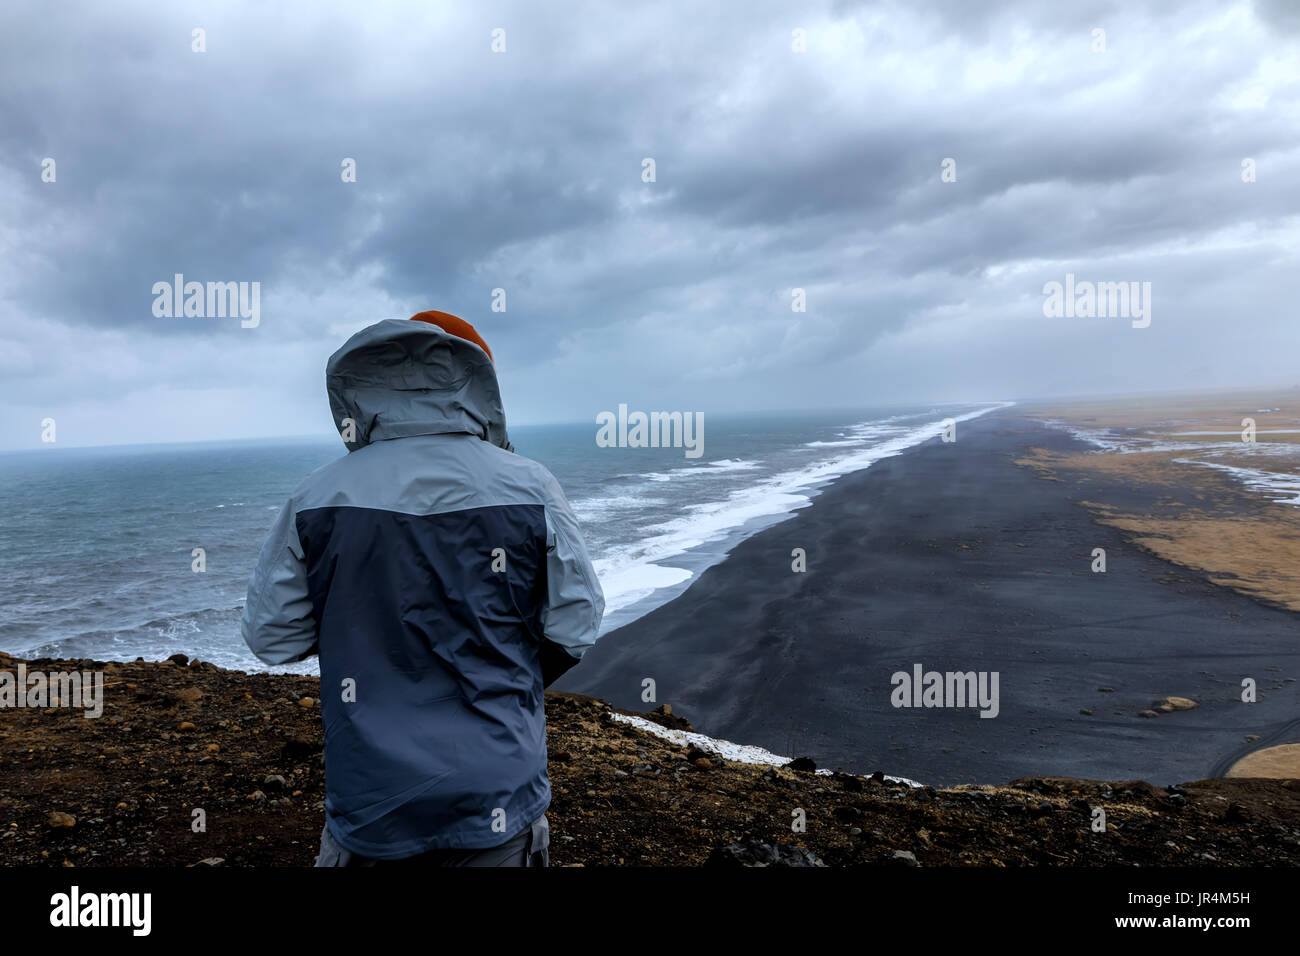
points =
(796, 489)
(957, 558)
(652, 523)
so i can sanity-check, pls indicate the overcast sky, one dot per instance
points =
(522, 170)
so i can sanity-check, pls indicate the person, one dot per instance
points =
(443, 582)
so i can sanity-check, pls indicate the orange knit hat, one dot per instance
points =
(454, 325)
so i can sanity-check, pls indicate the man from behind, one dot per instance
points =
(443, 582)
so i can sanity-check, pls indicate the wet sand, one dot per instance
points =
(954, 557)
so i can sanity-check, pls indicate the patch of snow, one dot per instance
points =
(736, 753)
(1282, 488)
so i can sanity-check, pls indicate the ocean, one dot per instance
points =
(97, 544)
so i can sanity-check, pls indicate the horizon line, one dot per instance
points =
(326, 435)
(1039, 399)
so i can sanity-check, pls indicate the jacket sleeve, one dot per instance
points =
(574, 600)
(278, 625)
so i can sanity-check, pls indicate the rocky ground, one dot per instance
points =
(246, 750)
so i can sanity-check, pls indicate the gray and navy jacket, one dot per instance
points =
(443, 582)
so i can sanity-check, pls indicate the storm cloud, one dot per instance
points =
(1114, 156)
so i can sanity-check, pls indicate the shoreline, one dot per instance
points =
(959, 559)
(653, 562)
(695, 560)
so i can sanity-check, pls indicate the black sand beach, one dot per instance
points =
(953, 557)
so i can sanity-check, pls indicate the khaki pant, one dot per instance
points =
(531, 847)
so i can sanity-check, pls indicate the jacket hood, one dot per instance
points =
(399, 378)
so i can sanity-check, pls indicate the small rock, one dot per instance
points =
(1147, 713)
(663, 715)
(1085, 711)
(849, 782)
(1176, 703)
(703, 763)
(275, 781)
(179, 659)
(58, 819)
(211, 861)
(620, 773)
(904, 858)
(186, 725)
(306, 702)
(213, 748)
(257, 796)
(803, 764)
(299, 748)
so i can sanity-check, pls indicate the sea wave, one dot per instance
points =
(630, 573)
